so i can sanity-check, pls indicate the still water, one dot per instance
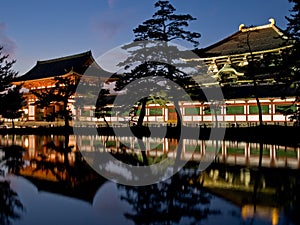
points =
(45, 180)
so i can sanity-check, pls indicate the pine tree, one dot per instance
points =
(102, 110)
(11, 100)
(290, 61)
(293, 26)
(156, 56)
(7, 74)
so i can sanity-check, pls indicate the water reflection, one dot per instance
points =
(52, 163)
(229, 152)
(259, 192)
(11, 207)
(181, 198)
(231, 190)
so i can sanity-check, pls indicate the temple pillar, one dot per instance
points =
(45, 112)
(31, 112)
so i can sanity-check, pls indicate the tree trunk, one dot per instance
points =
(107, 124)
(143, 112)
(259, 112)
(67, 121)
(258, 104)
(261, 144)
(13, 123)
(179, 139)
(65, 114)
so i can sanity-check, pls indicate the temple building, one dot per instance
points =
(247, 44)
(42, 77)
(224, 60)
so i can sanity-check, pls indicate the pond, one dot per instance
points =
(53, 180)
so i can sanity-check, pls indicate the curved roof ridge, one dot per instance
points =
(88, 53)
(272, 23)
(264, 37)
(78, 63)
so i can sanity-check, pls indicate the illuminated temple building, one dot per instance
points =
(221, 58)
(42, 75)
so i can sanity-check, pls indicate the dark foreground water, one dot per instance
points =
(44, 182)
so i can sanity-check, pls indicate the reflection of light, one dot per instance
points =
(26, 143)
(275, 216)
(245, 212)
(271, 213)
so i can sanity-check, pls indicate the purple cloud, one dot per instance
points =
(111, 3)
(9, 46)
(108, 29)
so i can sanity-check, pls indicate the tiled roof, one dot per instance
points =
(59, 66)
(245, 91)
(261, 38)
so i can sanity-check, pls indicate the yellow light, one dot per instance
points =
(275, 216)
(26, 142)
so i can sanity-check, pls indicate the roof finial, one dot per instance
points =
(241, 26)
(272, 21)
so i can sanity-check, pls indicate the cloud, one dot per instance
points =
(9, 46)
(110, 25)
(108, 29)
(111, 3)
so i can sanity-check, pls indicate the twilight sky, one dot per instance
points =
(34, 30)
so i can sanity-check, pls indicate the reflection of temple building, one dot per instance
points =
(224, 58)
(47, 164)
(232, 180)
(238, 185)
(232, 153)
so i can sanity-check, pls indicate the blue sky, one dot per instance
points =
(34, 30)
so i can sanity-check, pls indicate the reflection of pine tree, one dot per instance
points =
(287, 194)
(10, 204)
(180, 197)
(14, 158)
